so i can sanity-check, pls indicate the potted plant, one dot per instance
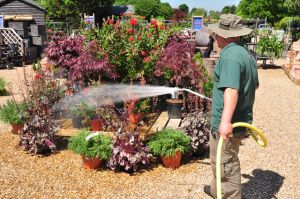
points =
(13, 113)
(170, 144)
(129, 153)
(81, 114)
(136, 109)
(94, 148)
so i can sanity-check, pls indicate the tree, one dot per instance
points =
(215, 15)
(229, 9)
(199, 12)
(178, 15)
(165, 10)
(70, 10)
(273, 10)
(293, 6)
(149, 8)
(184, 8)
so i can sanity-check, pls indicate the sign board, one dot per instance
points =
(89, 20)
(197, 23)
(1, 21)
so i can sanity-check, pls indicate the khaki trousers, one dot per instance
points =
(230, 168)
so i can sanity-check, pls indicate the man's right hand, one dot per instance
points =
(225, 130)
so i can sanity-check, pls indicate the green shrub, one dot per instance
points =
(168, 141)
(3, 91)
(269, 45)
(98, 146)
(13, 112)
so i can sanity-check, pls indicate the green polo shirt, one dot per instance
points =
(236, 69)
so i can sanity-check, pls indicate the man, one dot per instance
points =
(235, 80)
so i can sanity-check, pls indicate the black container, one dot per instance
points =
(76, 121)
(174, 107)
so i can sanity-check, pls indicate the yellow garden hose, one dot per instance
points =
(254, 133)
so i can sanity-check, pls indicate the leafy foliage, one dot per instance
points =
(112, 119)
(184, 8)
(70, 10)
(168, 141)
(229, 9)
(139, 106)
(76, 61)
(198, 12)
(269, 45)
(3, 90)
(274, 10)
(98, 146)
(129, 153)
(178, 15)
(149, 8)
(293, 6)
(176, 63)
(39, 130)
(13, 112)
(196, 125)
(133, 49)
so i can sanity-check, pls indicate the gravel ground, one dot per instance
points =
(267, 173)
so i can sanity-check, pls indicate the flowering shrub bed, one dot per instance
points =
(132, 48)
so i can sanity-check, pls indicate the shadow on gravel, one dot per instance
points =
(262, 184)
(269, 66)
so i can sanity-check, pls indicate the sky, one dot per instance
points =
(207, 4)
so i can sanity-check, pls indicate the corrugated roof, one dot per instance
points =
(31, 2)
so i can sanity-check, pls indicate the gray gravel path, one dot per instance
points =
(268, 173)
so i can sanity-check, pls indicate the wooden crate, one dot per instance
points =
(162, 121)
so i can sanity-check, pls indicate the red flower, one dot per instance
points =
(116, 26)
(111, 21)
(130, 31)
(146, 59)
(143, 53)
(154, 23)
(162, 27)
(133, 22)
(131, 39)
(38, 76)
(150, 34)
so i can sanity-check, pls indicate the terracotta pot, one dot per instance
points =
(16, 127)
(96, 125)
(135, 118)
(172, 161)
(91, 163)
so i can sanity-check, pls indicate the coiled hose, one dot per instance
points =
(254, 133)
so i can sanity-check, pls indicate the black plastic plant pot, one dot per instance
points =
(174, 107)
(76, 121)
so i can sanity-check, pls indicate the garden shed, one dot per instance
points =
(15, 9)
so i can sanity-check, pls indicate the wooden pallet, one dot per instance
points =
(162, 121)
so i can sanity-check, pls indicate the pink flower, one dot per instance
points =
(133, 22)
(131, 39)
(150, 34)
(111, 21)
(38, 76)
(146, 59)
(143, 53)
(130, 31)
